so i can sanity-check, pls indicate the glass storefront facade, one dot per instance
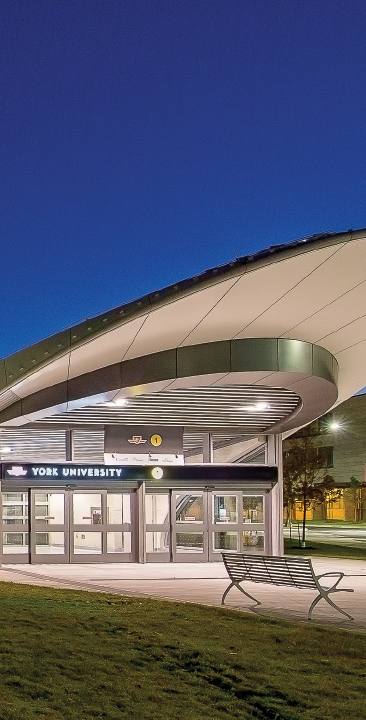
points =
(101, 526)
(90, 520)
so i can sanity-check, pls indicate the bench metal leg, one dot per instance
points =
(236, 584)
(324, 595)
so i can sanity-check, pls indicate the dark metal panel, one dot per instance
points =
(47, 398)
(96, 326)
(2, 375)
(323, 363)
(11, 412)
(149, 368)
(25, 361)
(253, 354)
(294, 356)
(95, 382)
(203, 359)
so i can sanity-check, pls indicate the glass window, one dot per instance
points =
(189, 542)
(118, 542)
(253, 508)
(50, 543)
(88, 543)
(118, 509)
(157, 509)
(189, 508)
(157, 542)
(49, 509)
(15, 497)
(13, 511)
(253, 541)
(225, 509)
(14, 542)
(15, 508)
(87, 508)
(225, 541)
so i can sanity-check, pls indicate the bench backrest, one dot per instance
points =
(296, 572)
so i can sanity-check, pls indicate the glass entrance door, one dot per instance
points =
(49, 537)
(190, 526)
(64, 526)
(157, 527)
(100, 527)
(206, 523)
(224, 523)
(236, 523)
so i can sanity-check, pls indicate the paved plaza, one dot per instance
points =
(205, 583)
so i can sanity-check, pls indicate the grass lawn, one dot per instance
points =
(324, 549)
(77, 655)
(334, 523)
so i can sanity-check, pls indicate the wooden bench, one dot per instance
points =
(295, 572)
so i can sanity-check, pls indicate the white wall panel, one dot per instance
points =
(168, 326)
(106, 349)
(346, 337)
(49, 375)
(332, 317)
(252, 295)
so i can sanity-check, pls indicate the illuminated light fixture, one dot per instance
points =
(335, 425)
(117, 403)
(157, 473)
(258, 407)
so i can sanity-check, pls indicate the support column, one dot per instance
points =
(69, 444)
(275, 519)
(207, 448)
(141, 524)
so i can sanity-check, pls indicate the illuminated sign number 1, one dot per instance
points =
(156, 440)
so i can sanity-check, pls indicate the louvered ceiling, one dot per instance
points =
(214, 407)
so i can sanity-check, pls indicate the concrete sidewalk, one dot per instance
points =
(205, 583)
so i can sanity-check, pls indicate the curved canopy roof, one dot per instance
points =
(285, 320)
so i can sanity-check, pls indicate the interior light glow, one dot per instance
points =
(335, 425)
(6, 449)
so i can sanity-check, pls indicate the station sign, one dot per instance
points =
(143, 445)
(56, 473)
(63, 472)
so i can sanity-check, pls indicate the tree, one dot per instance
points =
(305, 479)
(353, 496)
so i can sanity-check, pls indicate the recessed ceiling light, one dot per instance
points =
(258, 407)
(117, 403)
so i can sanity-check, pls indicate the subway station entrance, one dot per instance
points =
(64, 526)
(137, 522)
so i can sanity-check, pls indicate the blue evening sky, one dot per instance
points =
(143, 141)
